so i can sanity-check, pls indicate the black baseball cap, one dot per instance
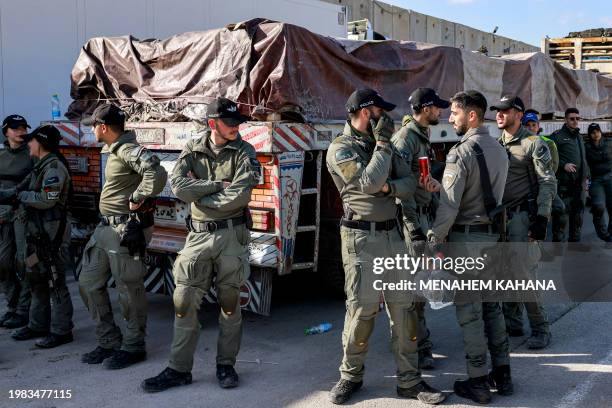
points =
(422, 97)
(362, 98)
(593, 127)
(14, 122)
(226, 110)
(46, 135)
(509, 101)
(107, 114)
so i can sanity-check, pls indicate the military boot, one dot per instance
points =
(25, 333)
(166, 379)
(97, 356)
(476, 389)
(426, 360)
(538, 340)
(122, 359)
(15, 321)
(343, 390)
(227, 376)
(422, 392)
(501, 380)
(54, 340)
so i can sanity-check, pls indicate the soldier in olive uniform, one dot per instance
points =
(44, 198)
(600, 164)
(530, 189)
(463, 218)
(412, 142)
(370, 175)
(572, 178)
(15, 165)
(132, 175)
(216, 174)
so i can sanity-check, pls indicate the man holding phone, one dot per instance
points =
(418, 210)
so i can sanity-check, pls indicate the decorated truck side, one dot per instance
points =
(293, 84)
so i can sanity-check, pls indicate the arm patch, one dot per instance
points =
(256, 169)
(451, 158)
(345, 155)
(51, 180)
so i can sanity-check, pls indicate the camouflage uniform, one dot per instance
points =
(359, 169)
(216, 246)
(132, 172)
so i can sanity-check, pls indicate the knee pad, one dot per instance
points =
(228, 299)
(184, 298)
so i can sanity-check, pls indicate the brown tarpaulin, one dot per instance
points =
(273, 67)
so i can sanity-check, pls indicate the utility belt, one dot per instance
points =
(146, 219)
(524, 206)
(476, 228)
(387, 225)
(212, 226)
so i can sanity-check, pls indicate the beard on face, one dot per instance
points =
(461, 129)
(433, 119)
(374, 117)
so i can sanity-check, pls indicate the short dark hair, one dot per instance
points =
(117, 128)
(571, 110)
(471, 100)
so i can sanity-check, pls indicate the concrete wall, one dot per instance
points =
(408, 25)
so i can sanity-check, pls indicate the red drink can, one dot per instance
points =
(424, 166)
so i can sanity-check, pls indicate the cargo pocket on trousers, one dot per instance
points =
(357, 240)
(85, 258)
(352, 282)
(128, 269)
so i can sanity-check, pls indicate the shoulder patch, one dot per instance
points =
(51, 180)
(345, 155)
(452, 158)
(449, 178)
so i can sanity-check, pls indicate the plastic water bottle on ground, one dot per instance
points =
(322, 328)
(55, 107)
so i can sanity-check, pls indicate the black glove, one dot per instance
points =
(417, 240)
(537, 229)
(417, 235)
(133, 238)
(383, 128)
